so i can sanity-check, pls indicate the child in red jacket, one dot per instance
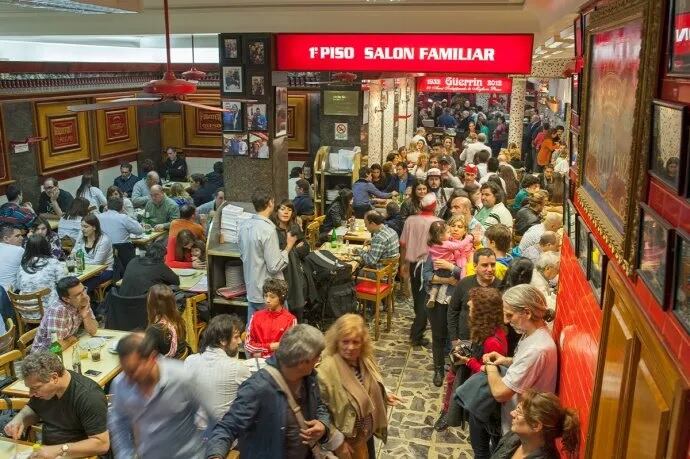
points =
(267, 326)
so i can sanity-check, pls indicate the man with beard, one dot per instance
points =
(216, 369)
(433, 182)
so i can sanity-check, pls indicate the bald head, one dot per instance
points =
(461, 206)
(157, 195)
(152, 178)
(553, 221)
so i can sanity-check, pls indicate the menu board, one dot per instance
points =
(341, 103)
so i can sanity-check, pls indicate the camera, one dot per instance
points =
(462, 349)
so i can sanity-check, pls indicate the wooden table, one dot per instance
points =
(360, 235)
(168, 185)
(109, 365)
(146, 238)
(9, 447)
(192, 284)
(91, 271)
(53, 222)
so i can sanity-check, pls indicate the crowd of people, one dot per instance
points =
(478, 241)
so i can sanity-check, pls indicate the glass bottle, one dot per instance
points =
(55, 346)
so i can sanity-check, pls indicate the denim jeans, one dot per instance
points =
(483, 437)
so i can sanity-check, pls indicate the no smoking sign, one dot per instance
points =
(340, 131)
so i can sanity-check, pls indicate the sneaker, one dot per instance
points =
(441, 423)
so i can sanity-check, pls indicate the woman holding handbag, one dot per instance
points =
(351, 386)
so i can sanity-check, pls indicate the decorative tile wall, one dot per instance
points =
(375, 132)
(411, 108)
(517, 110)
(389, 120)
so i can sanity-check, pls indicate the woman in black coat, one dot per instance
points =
(285, 219)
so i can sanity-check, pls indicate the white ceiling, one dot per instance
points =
(544, 18)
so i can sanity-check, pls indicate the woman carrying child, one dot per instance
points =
(443, 246)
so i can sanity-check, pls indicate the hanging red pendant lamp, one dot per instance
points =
(193, 74)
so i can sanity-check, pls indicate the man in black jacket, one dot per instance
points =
(215, 178)
(174, 168)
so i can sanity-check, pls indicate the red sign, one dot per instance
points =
(458, 53)
(64, 133)
(116, 125)
(464, 84)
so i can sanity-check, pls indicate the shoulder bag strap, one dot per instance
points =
(294, 406)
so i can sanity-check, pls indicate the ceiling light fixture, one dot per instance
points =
(82, 6)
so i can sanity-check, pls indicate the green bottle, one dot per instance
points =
(55, 346)
(81, 261)
(334, 239)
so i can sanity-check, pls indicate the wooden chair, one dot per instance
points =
(6, 362)
(7, 340)
(376, 285)
(100, 291)
(15, 404)
(28, 307)
(24, 342)
(67, 244)
(306, 220)
(395, 265)
(313, 231)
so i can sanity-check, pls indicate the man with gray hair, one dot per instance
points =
(552, 222)
(141, 193)
(71, 407)
(160, 210)
(467, 155)
(261, 418)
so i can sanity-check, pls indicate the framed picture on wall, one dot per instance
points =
(256, 51)
(678, 40)
(653, 253)
(258, 145)
(235, 144)
(574, 151)
(231, 48)
(233, 121)
(281, 111)
(681, 280)
(668, 154)
(596, 272)
(232, 80)
(582, 243)
(257, 84)
(256, 117)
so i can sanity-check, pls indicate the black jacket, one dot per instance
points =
(204, 194)
(303, 204)
(293, 273)
(143, 273)
(395, 222)
(176, 170)
(215, 180)
(525, 219)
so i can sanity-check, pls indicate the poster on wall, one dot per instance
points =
(258, 145)
(233, 120)
(615, 64)
(679, 38)
(256, 52)
(341, 130)
(232, 79)
(281, 111)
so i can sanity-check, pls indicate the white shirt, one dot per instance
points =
(485, 178)
(69, 227)
(218, 375)
(11, 256)
(100, 254)
(118, 226)
(472, 149)
(95, 197)
(532, 236)
(535, 366)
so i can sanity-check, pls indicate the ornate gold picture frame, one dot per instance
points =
(618, 88)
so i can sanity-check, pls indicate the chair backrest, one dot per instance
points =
(17, 403)
(7, 340)
(67, 244)
(313, 231)
(126, 313)
(28, 307)
(6, 361)
(122, 254)
(24, 341)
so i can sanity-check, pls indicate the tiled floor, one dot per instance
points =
(408, 372)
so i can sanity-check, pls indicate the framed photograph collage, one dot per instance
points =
(245, 85)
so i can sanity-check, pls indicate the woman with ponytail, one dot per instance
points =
(537, 421)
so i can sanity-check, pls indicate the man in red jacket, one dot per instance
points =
(267, 326)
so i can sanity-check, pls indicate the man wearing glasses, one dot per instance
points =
(66, 315)
(53, 201)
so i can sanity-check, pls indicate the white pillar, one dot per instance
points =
(517, 110)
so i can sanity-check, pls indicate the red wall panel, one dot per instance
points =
(576, 330)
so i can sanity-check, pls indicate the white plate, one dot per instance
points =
(113, 346)
(185, 272)
(136, 236)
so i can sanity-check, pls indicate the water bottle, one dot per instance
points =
(334, 239)
(81, 261)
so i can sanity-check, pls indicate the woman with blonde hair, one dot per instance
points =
(537, 421)
(180, 195)
(165, 322)
(419, 169)
(352, 387)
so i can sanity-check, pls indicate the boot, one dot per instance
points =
(438, 377)
(441, 423)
